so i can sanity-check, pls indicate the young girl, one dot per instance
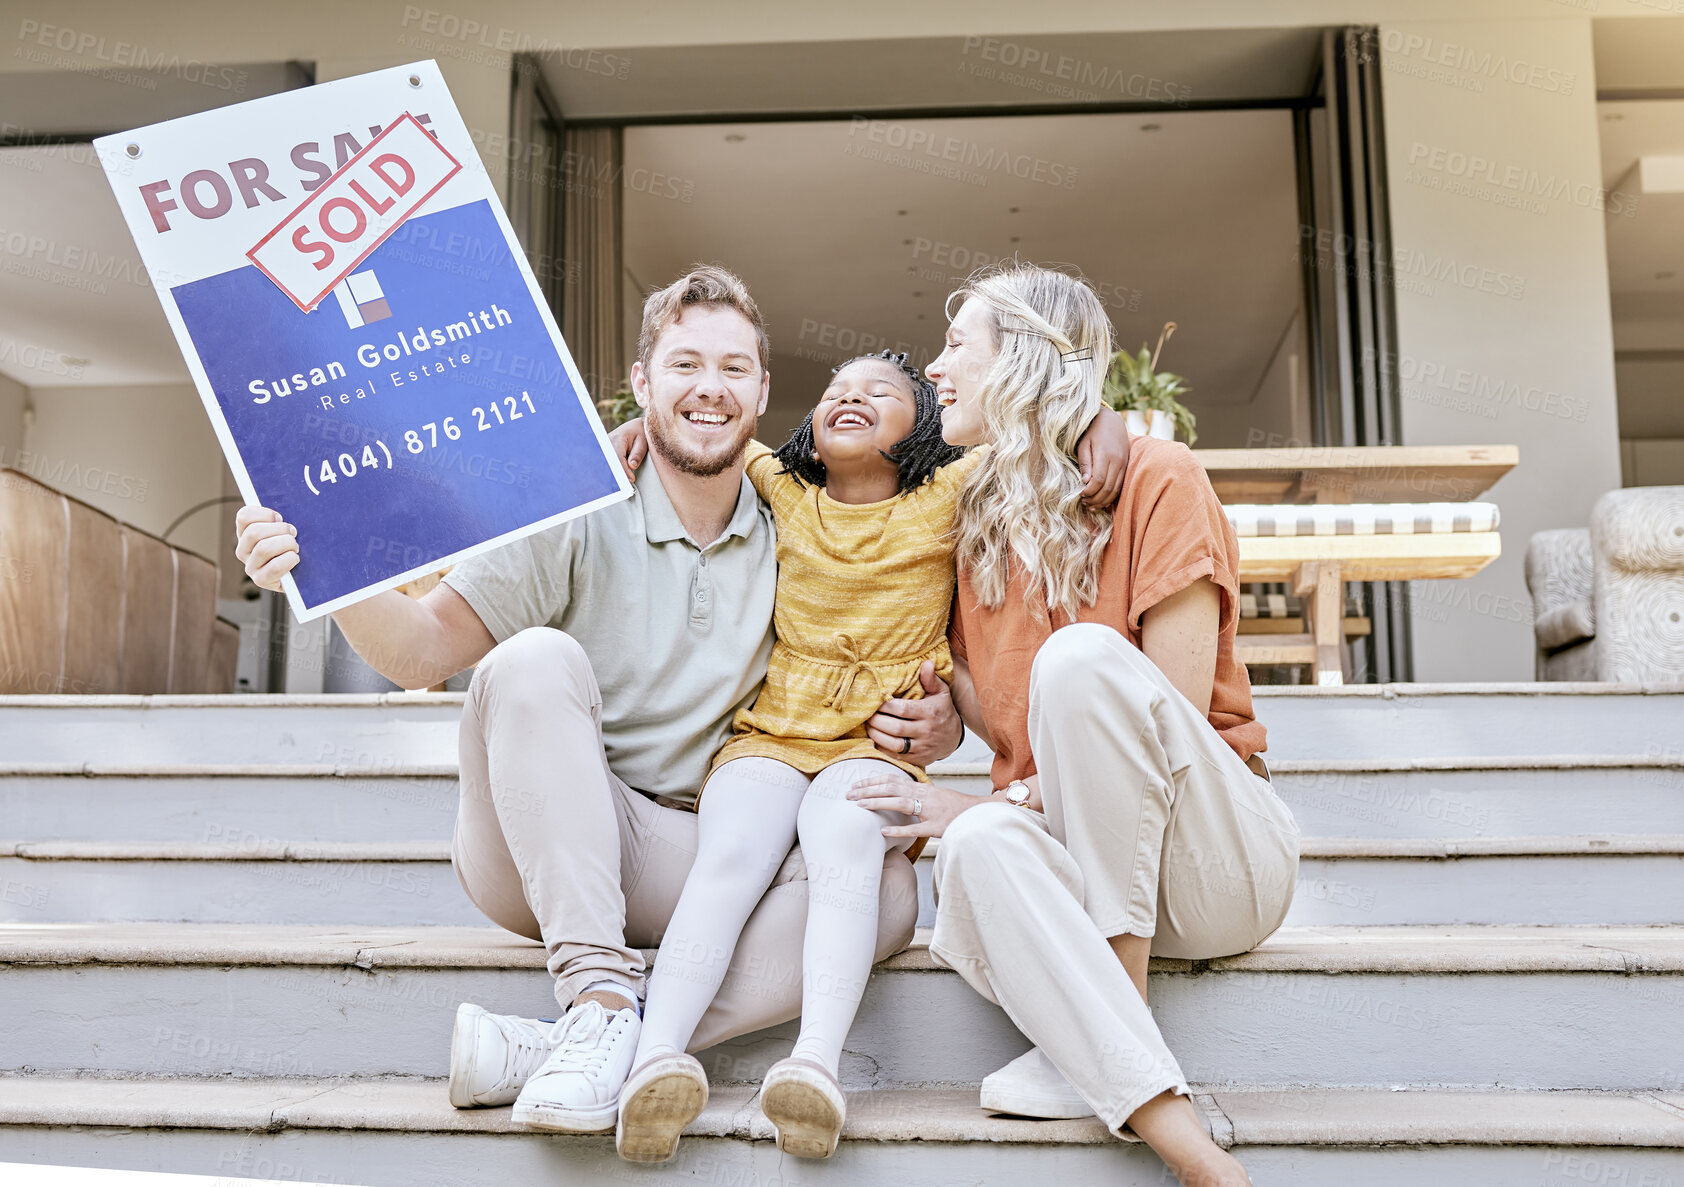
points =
(864, 495)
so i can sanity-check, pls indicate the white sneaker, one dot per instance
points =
(659, 1100)
(577, 1090)
(493, 1055)
(805, 1105)
(1030, 1086)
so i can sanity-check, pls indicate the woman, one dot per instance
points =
(1095, 653)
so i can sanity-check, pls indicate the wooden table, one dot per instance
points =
(1316, 567)
(1357, 474)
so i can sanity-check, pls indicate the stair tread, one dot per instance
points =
(1392, 949)
(1268, 1116)
(264, 850)
(249, 700)
(1560, 688)
(1403, 848)
(896, 1114)
(1388, 848)
(963, 768)
(1588, 844)
(230, 770)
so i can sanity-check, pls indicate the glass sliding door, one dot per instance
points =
(1347, 266)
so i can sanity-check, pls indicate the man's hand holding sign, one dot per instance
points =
(426, 413)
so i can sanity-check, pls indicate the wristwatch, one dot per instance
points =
(1016, 792)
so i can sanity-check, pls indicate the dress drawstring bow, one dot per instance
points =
(844, 687)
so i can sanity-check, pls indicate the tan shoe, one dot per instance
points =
(660, 1098)
(803, 1100)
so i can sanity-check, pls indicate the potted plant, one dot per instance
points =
(617, 409)
(1149, 398)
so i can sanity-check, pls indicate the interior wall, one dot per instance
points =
(1533, 368)
(142, 454)
(13, 396)
(1185, 217)
(1651, 394)
(1652, 461)
(1277, 411)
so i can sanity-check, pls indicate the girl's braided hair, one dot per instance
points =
(918, 455)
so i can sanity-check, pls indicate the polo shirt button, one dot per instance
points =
(701, 596)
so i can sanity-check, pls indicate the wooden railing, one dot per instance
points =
(90, 605)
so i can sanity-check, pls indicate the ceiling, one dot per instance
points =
(850, 242)
(76, 305)
(1154, 69)
(1638, 55)
(78, 103)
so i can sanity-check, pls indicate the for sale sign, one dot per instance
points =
(366, 334)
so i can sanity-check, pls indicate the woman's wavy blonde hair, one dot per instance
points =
(1042, 390)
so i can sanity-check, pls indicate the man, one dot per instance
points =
(613, 652)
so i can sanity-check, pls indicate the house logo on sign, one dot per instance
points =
(361, 299)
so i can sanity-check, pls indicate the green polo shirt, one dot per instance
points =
(678, 635)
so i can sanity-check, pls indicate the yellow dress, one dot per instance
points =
(864, 592)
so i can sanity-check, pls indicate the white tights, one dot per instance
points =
(754, 809)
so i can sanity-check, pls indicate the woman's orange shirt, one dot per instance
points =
(1169, 532)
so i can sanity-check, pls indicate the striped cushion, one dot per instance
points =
(1280, 605)
(1361, 519)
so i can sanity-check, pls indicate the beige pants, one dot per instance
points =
(551, 845)
(1152, 827)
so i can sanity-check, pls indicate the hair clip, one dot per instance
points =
(1076, 356)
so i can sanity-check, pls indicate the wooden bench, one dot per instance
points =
(1316, 568)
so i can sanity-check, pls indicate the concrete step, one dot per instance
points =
(1485, 796)
(353, 729)
(25, 1174)
(354, 883)
(228, 802)
(1467, 796)
(403, 1133)
(1626, 880)
(1415, 721)
(1399, 721)
(1555, 880)
(1559, 1007)
(247, 802)
(1631, 880)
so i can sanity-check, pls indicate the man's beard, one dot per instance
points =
(687, 460)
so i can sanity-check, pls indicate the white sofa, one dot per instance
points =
(1608, 601)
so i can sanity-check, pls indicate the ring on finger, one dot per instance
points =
(917, 808)
(906, 745)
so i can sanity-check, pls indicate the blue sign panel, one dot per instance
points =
(419, 411)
